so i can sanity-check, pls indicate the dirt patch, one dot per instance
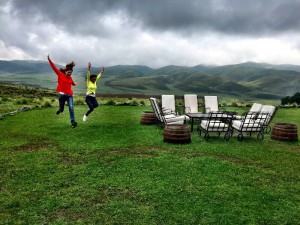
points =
(133, 152)
(36, 144)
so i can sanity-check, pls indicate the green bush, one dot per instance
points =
(47, 103)
(79, 101)
(6, 99)
(22, 101)
(134, 103)
(110, 102)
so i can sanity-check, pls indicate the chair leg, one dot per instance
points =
(227, 136)
(240, 137)
(206, 136)
(267, 129)
(199, 131)
(260, 136)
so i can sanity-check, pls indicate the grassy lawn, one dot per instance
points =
(113, 170)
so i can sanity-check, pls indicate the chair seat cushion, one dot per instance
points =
(215, 126)
(246, 125)
(174, 119)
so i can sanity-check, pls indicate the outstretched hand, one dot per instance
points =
(48, 57)
(102, 71)
(89, 66)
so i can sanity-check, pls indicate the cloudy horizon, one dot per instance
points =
(153, 33)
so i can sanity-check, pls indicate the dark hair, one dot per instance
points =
(92, 76)
(68, 67)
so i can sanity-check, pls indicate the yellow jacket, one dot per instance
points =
(91, 87)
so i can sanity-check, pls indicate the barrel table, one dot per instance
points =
(284, 132)
(177, 134)
(148, 118)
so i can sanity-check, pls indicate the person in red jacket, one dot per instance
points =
(64, 88)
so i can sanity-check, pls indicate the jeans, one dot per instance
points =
(69, 99)
(92, 103)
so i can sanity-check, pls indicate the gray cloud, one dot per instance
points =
(165, 31)
(229, 16)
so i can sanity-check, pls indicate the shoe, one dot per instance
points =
(58, 112)
(84, 118)
(74, 124)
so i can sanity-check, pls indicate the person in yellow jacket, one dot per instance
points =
(90, 98)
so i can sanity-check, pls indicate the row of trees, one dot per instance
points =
(288, 100)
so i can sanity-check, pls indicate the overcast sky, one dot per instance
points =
(154, 33)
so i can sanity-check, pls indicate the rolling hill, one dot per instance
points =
(247, 81)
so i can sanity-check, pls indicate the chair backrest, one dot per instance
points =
(190, 103)
(165, 119)
(218, 121)
(253, 122)
(168, 102)
(211, 104)
(156, 108)
(256, 107)
(269, 110)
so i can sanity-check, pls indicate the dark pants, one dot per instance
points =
(62, 100)
(92, 103)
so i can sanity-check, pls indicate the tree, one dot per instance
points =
(291, 99)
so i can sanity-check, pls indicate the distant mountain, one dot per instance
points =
(25, 66)
(248, 81)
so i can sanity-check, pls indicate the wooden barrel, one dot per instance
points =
(148, 118)
(177, 133)
(284, 132)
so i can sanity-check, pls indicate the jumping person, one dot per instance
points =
(90, 98)
(64, 88)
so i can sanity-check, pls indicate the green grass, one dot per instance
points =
(113, 170)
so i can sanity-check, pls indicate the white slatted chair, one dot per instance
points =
(163, 118)
(190, 103)
(267, 112)
(256, 107)
(168, 104)
(211, 104)
(251, 124)
(217, 122)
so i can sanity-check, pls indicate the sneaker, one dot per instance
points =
(58, 112)
(74, 124)
(84, 118)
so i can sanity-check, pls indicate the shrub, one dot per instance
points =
(22, 101)
(47, 103)
(110, 102)
(134, 103)
(6, 99)
(79, 101)
(234, 104)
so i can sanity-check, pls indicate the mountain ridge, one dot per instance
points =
(247, 80)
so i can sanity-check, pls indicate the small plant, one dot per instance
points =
(110, 102)
(22, 101)
(134, 103)
(47, 103)
(79, 101)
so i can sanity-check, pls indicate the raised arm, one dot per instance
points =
(100, 74)
(55, 69)
(89, 72)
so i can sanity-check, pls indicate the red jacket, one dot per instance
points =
(64, 83)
